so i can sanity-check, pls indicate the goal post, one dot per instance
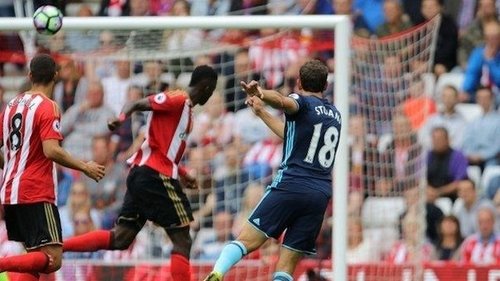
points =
(342, 79)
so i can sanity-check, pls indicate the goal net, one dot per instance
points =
(232, 153)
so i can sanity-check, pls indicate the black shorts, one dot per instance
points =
(35, 225)
(155, 197)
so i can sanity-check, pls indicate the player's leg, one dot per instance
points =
(174, 214)
(128, 224)
(301, 234)
(15, 276)
(39, 228)
(286, 264)
(180, 266)
(269, 219)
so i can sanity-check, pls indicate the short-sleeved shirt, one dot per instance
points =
(29, 177)
(167, 129)
(311, 141)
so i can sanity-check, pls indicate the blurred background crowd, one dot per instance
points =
(233, 154)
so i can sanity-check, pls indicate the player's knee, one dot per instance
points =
(183, 245)
(122, 238)
(54, 265)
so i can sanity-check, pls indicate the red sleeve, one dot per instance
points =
(50, 123)
(167, 101)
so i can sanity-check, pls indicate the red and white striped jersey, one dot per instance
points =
(265, 152)
(28, 176)
(167, 129)
(476, 252)
(401, 254)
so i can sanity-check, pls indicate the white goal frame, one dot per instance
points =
(342, 79)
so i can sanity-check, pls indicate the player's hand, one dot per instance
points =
(188, 181)
(252, 88)
(255, 104)
(94, 171)
(114, 123)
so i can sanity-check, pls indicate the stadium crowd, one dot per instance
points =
(233, 154)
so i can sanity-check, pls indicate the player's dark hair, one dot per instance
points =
(202, 72)
(313, 76)
(43, 69)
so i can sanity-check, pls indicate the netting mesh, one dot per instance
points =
(234, 155)
(390, 103)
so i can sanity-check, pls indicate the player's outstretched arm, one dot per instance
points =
(127, 110)
(275, 124)
(271, 97)
(56, 153)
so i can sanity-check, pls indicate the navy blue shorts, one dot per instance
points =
(297, 209)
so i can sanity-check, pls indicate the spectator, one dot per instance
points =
(394, 20)
(264, 157)
(448, 117)
(251, 197)
(249, 7)
(139, 8)
(481, 145)
(125, 140)
(372, 10)
(83, 41)
(210, 7)
(64, 183)
(115, 87)
(483, 67)
(103, 67)
(472, 35)
(467, 208)
(344, 7)
(413, 8)
(450, 238)
(214, 126)
(182, 39)
(209, 242)
(83, 121)
(72, 86)
(234, 97)
(433, 215)
(272, 52)
(79, 200)
(107, 194)
(114, 8)
(151, 79)
(407, 249)
(161, 7)
(403, 154)
(445, 55)
(445, 167)
(82, 223)
(483, 247)
(230, 181)
(359, 249)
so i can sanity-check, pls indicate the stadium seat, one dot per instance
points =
(429, 83)
(382, 238)
(183, 80)
(474, 173)
(469, 111)
(382, 211)
(455, 79)
(445, 204)
(489, 173)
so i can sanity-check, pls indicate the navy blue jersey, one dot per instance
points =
(310, 144)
